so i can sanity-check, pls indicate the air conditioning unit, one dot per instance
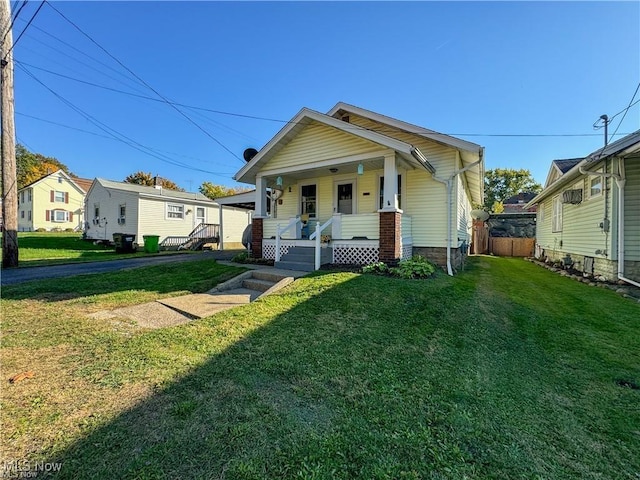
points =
(121, 220)
(96, 221)
(573, 197)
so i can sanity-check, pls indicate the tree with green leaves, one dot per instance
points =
(144, 178)
(502, 183)
(33, 166)
(214, 191)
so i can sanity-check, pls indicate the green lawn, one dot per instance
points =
(52, 248)
(504, 371)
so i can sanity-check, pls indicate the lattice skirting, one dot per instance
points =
(407, 251)
(359, 255)
(269, 250)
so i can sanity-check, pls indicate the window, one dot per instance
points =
(175, 211)
(122, 213)
(30, 198)
(556, 224)
(381, 195)
(60, 216)
(60, 178)
(309, 200)
(540, 214)
(21, 213)
(29, 215)
(96, 210)
(59, 197)
(595, 186)
(21, 197)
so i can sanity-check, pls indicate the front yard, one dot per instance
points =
(505, 371)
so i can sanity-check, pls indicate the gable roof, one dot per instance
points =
(559, 168)
(57, 174)
(629, 145)
(303, 118)
(519, 198)
(83, 183)
(146, 191)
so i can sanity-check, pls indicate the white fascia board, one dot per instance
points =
(166, 198)
(408, 127)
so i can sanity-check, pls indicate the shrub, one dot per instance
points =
(379, 268)
(240, 257)
(68, 229)
(41, 229)
(415, 267)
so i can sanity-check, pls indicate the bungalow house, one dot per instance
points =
(119, 207)
(589, 212)
(53, 202)
(356, 187)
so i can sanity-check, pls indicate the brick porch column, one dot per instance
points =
(256, 238)
(390, 237)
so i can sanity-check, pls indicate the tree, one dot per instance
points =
(213, 191)
(33, 166)
(502, 183)
(143, 178)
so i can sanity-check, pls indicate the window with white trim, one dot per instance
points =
(175, 211)
(29, 215)
(58, 196)
(381, 194)
(594, 186)
(556, 221)
(30, 197)
(59, 216)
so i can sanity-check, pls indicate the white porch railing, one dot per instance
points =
(317, 236)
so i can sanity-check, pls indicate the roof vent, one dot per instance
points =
(345, 118)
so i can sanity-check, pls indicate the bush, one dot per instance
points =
(379, 268)
(68, 229)
(415, 267)
(240, 258)
(41, 229)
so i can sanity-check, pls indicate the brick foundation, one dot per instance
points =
(438, 255)
(390, 237)
(256, 238)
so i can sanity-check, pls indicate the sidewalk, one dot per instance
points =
(259, 281)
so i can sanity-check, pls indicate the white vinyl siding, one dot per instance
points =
(556, 222)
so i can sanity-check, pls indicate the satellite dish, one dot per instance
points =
(479, 215)
(249, 153)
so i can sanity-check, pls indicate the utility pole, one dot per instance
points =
(8, 143)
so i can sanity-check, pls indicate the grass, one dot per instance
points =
(505, 371)
(53, 248)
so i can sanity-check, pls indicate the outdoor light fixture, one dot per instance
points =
(360, 169)
(333, 170)
(279, 181)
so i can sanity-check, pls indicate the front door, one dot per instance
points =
(200, 216)
(345, 198)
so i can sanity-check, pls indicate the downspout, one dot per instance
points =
(448, 182)
(620, 183)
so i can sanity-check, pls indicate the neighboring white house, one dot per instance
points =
(589, 212)
(381, 189)
(119, 207)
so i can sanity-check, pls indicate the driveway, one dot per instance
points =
(27, 274)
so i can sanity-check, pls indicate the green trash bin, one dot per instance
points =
(151, 243)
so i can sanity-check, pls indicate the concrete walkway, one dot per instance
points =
(259, 281)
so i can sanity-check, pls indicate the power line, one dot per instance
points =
(108, 137)
(145, 83)
(25, 29)
(13, 20)
(626, 110)
(114, 133)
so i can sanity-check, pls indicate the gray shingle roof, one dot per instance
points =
(566, 164)
(143, 189)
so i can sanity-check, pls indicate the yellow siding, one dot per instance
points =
(318, 142)
(41, 202)
(632, 211)
(366, 225)
(234, 222)
(152, 218)
(426, 202)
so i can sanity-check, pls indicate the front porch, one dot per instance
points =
(358, 239)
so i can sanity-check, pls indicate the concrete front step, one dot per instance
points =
(303, 267)
(269, 276)
(257, 284)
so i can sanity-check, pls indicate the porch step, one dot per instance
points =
(302, 267)
(301, 252)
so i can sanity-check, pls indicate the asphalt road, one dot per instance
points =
(27, 274)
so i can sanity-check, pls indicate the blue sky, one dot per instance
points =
(470, 69)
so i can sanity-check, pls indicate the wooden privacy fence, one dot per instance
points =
(511, 246)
